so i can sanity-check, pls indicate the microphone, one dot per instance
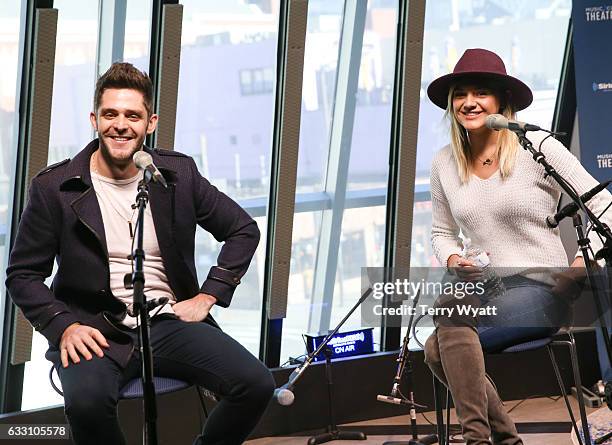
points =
(151, 304)
(284, 395)
(397, 401)
(499, 122)
(144, 161)
(553, 220)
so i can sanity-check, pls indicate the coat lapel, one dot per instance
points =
(79, 190)
(162, 210)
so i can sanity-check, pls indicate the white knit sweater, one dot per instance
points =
(507, 217)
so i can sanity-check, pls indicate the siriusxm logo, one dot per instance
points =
(598, 13)
(602, 86)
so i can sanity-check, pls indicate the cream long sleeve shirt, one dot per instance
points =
(507, 217)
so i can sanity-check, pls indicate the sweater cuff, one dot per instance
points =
(446, 253)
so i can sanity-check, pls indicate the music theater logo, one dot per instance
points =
(598, 13)
(604, 160)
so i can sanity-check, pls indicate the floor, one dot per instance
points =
(528, 411)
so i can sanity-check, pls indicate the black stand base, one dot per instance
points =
(427, 440)
(336, 435)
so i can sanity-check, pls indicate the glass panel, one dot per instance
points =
(74, 78)
(224, 120)
(319, 79)
(530, 38)
(361, 236)
(137, 33)
(306, 228)
(369, 164)
(73, 87)
(10, 48)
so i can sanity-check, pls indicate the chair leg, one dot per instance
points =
(578, 382)
(438, 388)
(576, 372)
(202, 403)
(448, 419)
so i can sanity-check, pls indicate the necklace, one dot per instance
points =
(487, 161)
(94, 161)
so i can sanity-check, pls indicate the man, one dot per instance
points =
(79, 214)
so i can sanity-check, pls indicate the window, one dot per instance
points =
(73, 88)
(10, 47)
(226, 97)
(342, 164)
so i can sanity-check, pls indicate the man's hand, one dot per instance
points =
(194, 309)
(78, 338)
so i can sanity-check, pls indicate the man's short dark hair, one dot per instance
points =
(125, 75)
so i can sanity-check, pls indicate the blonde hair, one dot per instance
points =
(507, 142)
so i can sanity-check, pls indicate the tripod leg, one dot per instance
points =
(321, 438)
(351, 435)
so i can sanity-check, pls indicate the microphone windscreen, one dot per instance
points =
(283, 396)
(142, 159)
(496, 122)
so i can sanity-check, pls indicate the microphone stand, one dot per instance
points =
(332, 430)
(404, 364)
(583, 241)
(140, 310)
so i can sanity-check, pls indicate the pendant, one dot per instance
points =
(487, 162)
(131, 229)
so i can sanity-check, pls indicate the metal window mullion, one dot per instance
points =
(404, 130)
(285, 142)
(566, 103)
(111, 33)
(343, 117)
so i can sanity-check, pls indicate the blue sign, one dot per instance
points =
(343, 344)
(592, 21)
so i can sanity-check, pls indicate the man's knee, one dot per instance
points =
(262, 385)
(255, 383)
(90, 405)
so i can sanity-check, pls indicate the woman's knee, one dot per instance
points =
(431, 350)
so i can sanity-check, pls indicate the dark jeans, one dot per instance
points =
(528, 310)
(194, 352)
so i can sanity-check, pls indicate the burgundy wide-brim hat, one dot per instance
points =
(480, 64)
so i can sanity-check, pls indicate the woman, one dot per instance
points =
(487, 187)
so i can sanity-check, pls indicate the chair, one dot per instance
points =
(549, 343)
(163, 385)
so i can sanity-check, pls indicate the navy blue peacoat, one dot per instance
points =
(62, 222)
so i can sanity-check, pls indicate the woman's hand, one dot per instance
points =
(570, 282)
(466, 270)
